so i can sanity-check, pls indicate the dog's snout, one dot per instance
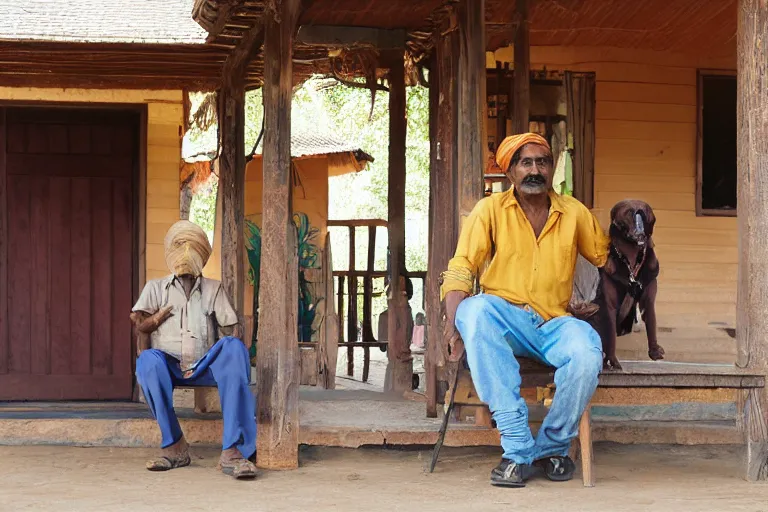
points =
(639, 226)
(639, 231)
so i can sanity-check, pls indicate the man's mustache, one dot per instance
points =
(534, 179)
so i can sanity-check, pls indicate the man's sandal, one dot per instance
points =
(239, 468)
(557, 468)
(165, 462)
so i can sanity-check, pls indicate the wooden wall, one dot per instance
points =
(164, 125)
(646, 149)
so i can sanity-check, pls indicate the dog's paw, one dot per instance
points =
(611, 363)
(656, 353)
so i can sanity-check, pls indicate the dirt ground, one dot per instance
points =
(629, 478)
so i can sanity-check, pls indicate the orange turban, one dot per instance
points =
(511, 144)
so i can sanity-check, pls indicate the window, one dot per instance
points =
(716, 143)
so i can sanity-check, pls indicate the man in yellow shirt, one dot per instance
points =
(532, 236)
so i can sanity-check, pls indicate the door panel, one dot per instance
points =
(69, 176)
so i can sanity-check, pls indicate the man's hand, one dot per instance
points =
(154, 321)
(453, 346)
(145, 324)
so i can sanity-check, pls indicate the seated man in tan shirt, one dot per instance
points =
(181, 317)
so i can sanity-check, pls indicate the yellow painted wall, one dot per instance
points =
(164, 122)
(646, 149)
(311, 197)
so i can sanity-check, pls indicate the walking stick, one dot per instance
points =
(453, 370)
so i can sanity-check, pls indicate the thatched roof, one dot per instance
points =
(306, 144)
(100, 21)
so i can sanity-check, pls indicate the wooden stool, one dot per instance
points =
(467, 404)
(584, 451)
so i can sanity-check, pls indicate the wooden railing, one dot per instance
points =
(351, 278)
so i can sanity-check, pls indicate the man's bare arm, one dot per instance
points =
(146, 324)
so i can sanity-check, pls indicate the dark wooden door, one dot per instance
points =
(66, 263)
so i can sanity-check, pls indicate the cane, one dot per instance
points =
(453, 370)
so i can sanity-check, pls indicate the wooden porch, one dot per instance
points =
(352, 418)
(443, 44)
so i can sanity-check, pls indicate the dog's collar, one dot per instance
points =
(634, 270)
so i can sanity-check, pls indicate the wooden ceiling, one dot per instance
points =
(685, 26)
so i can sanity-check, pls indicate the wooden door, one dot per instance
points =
(66, 263)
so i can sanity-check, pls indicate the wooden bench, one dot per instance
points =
(673, 377)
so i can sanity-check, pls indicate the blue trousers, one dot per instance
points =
(227, 366)
(495, 332)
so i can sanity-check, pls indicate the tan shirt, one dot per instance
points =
(192, 327)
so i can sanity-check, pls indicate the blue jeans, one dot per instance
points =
(227, 366)
(494, 333)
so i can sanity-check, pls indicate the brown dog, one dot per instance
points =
(627, 280)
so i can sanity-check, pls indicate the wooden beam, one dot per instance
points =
(328, 36)
(752, 151)
(399, 352)
(443, 176)
(277, 362)
(522, 82)
(472, 138)
(222, 17)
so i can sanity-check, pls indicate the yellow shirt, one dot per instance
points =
(525, 270)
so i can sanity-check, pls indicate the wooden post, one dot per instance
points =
(231, 113)
(351, 305)
(185, 196)
(472, 138)
(231, 107)
(400, 361)
(752, 150)
(329, 337)
(522, 80)
(3, 249)
(443, 187)
(231, 188)
(277, 362)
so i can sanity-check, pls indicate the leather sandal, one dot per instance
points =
(174, 456)
(239, 468)
(168, 462)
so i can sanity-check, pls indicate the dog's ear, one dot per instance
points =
(615, 210)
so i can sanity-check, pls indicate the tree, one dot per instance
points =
(344, 111)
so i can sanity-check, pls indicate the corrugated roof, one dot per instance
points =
(100, 21)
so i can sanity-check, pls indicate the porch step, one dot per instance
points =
(351, 422)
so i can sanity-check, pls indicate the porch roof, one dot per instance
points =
(105, 21)
(153, 44)
(683, 26)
